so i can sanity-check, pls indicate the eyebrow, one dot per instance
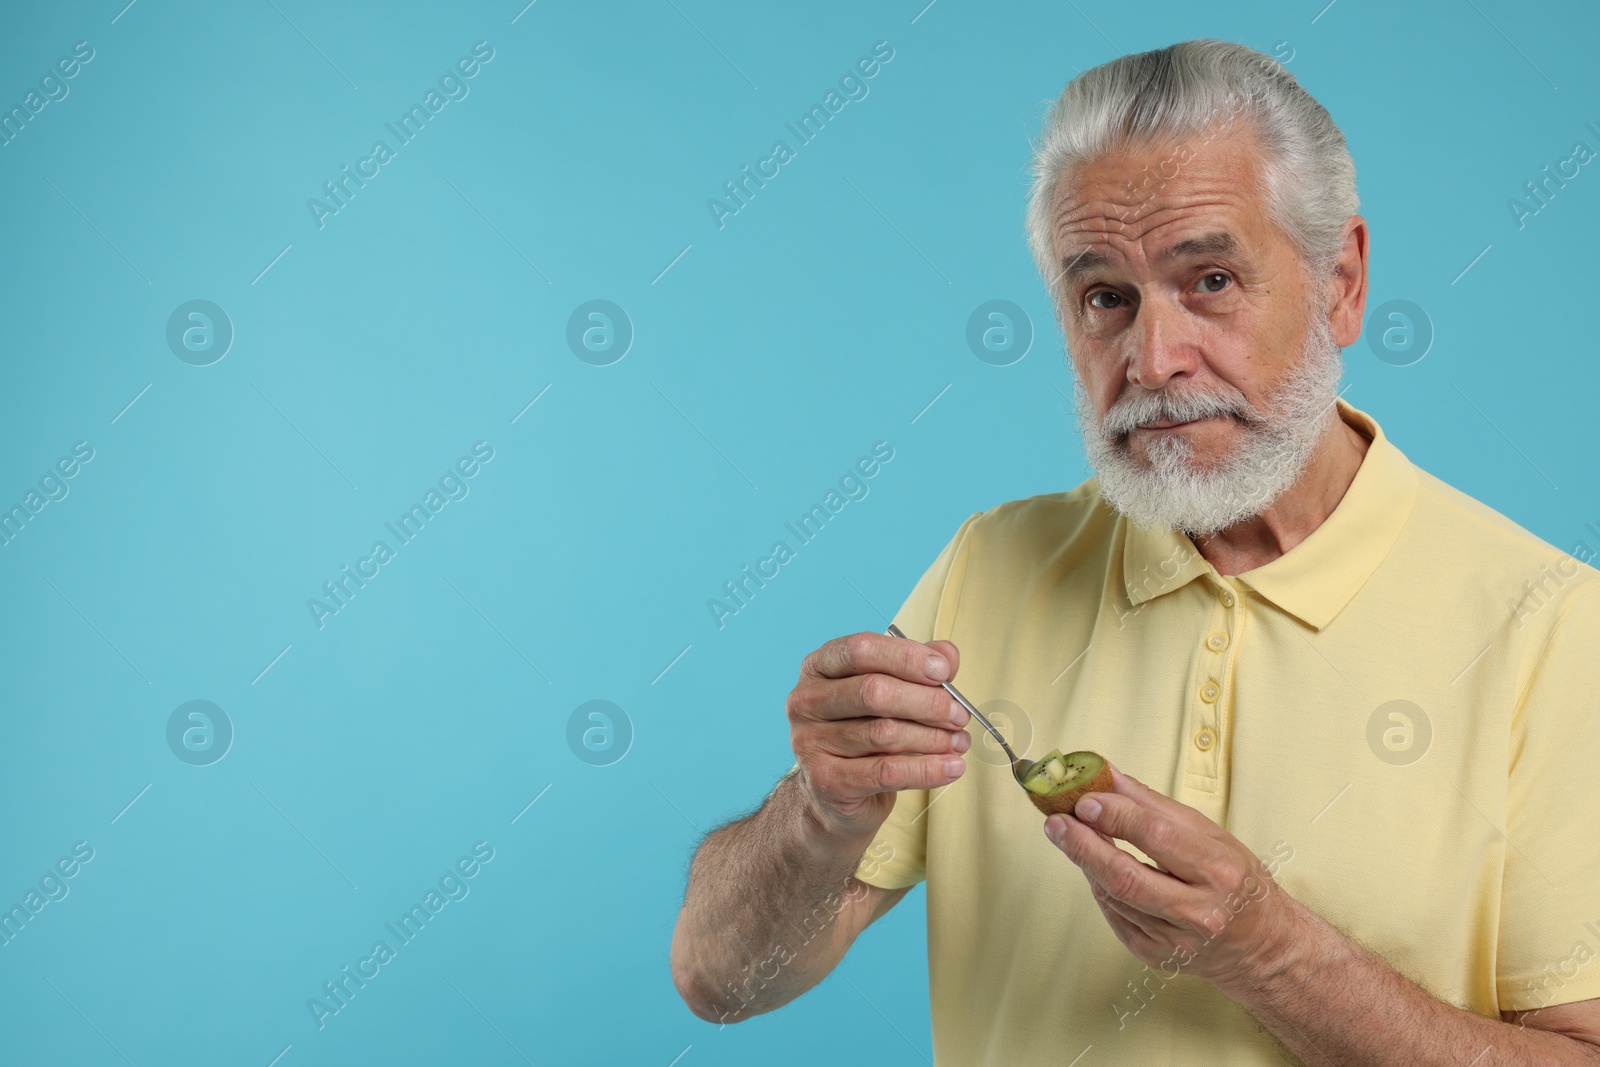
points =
(1216, 243)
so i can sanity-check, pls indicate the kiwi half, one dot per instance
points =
(1056, 782)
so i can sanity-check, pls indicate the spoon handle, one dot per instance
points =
(976, 714)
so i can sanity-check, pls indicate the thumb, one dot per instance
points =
(948, 651)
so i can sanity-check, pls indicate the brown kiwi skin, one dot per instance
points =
(1062, 803)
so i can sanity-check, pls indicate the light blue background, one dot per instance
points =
(371, 753)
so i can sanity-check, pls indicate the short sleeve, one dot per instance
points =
(897, 857)
(1549, 940)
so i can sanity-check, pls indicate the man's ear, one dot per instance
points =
(1348, 289)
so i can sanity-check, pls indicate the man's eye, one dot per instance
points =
(1209, 277)
(1103, 292)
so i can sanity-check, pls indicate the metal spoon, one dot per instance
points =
(1019, 767)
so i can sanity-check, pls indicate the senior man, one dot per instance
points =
(1348, 705)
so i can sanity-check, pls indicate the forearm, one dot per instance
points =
(757, 926)
(1332, 1001)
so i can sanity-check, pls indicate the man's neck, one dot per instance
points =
(1291, 518)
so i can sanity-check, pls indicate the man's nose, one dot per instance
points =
(1162, 345)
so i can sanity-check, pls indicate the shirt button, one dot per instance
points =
(1227, 599)
(1205, 739)
(1209, 692)
(1217, 642)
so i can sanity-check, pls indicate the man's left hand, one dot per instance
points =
(1208, 907)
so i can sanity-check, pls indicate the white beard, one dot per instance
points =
(1279, 443)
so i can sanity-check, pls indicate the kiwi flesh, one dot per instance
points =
(1056, 782)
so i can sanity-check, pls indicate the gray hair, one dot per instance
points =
(1178, 93)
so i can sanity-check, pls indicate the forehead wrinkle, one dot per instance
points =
(1102, 203)
(1214, 243)
(1217, 240)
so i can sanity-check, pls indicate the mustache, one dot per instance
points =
(1143, 406)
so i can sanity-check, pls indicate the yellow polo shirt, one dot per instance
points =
(1399, 716)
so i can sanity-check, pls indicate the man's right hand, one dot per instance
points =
(869, 718)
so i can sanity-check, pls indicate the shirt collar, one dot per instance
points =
(1315, 579)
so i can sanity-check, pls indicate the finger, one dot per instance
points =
(879, 695)
(1182, 849)
(1144, 796)
(874, 653)
(1119, 874)
(886, 774)
(1154, 927)
(853, 738)
(948, 650)
(1134, 939)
